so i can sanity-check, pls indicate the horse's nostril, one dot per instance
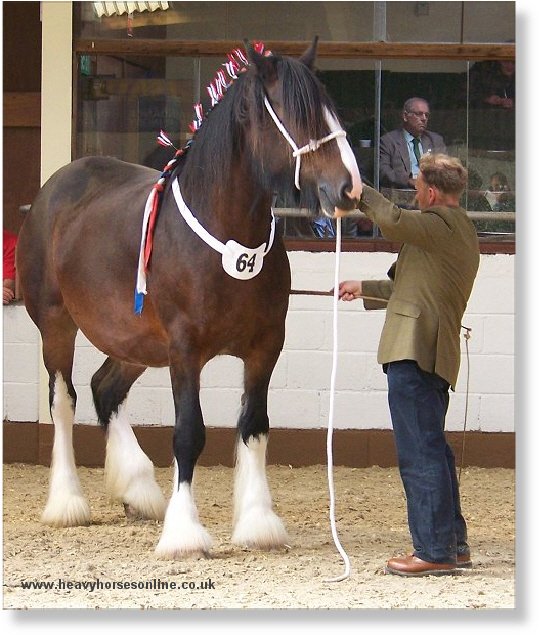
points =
(346, 191)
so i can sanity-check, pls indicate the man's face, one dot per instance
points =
(416, 118)
(508, 67)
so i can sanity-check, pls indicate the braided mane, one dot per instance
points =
(220, 134)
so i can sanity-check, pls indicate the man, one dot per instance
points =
(492, 84)
(401, 149)
(426, 295)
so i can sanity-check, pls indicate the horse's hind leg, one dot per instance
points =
(255, 522)
(129, 473)
(66, 505)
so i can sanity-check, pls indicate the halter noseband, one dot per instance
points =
(313, 144)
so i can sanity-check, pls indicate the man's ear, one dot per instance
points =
(265, 64)
(433, 195)
(309, 56)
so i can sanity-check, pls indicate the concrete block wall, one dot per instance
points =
(20, 368)
(299, 391)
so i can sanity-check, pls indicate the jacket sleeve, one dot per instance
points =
(376, 289)
(423, 229)
(388, 174)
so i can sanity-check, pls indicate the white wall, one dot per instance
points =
(299, 395)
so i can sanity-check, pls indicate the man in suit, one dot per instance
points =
(426, 296)
(401, 149)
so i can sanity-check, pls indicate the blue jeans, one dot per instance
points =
(418, 404)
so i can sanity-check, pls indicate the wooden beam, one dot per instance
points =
(375, 50)
(22, 110)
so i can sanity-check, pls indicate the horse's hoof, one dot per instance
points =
(68, 512)
(142, 498)
(195, 548)
(132, 513)
(180, 554)
(151, 506)
(260, 529)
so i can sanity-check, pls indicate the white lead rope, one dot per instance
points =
(329, 445)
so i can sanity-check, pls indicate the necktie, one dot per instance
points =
(417, 153)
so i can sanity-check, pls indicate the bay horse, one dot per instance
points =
(77, 261)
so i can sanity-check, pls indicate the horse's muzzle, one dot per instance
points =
(340, 212)
(337, 206)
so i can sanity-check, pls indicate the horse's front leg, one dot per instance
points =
(183, 535)
(255, 523)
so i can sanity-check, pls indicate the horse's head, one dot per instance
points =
(297, 137)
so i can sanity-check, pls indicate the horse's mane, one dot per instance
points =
(221, 135)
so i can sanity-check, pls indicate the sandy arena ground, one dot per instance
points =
(371, 521)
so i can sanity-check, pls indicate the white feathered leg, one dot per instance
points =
(66, 505)
(129, 473)
(182, 535)
(255, 523)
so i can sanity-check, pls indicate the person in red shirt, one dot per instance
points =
(9, 241)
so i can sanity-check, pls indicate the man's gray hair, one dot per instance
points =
(408, 104)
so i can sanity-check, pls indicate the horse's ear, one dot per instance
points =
(264, 64)
(310, 54)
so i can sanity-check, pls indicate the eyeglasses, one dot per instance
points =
(418, 113)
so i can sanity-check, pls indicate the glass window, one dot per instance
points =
(425, 99)
(331, 21)
(123, 100)
(470, 108)
(424, 21)
(491, 143)
(449, 21)
(488, 21)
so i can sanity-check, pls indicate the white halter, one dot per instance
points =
(313, 145)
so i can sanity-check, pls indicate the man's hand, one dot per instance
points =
(9, 295)
(350, 290)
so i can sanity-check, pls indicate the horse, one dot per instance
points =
(274, 130)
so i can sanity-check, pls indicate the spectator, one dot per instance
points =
(498, 194)
(492, 84)
(9, 242)
(401, 149)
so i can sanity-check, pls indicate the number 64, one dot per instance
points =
(244, 262)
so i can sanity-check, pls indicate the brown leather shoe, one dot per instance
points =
(412, 566)
(464, 561)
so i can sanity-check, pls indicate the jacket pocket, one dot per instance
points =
(402, 307)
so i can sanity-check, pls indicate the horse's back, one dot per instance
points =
(73, 213)
(77, 184)
(74, 190)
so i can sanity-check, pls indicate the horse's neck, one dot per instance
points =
(239, 209)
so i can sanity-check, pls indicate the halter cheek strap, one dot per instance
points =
(313, 144)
